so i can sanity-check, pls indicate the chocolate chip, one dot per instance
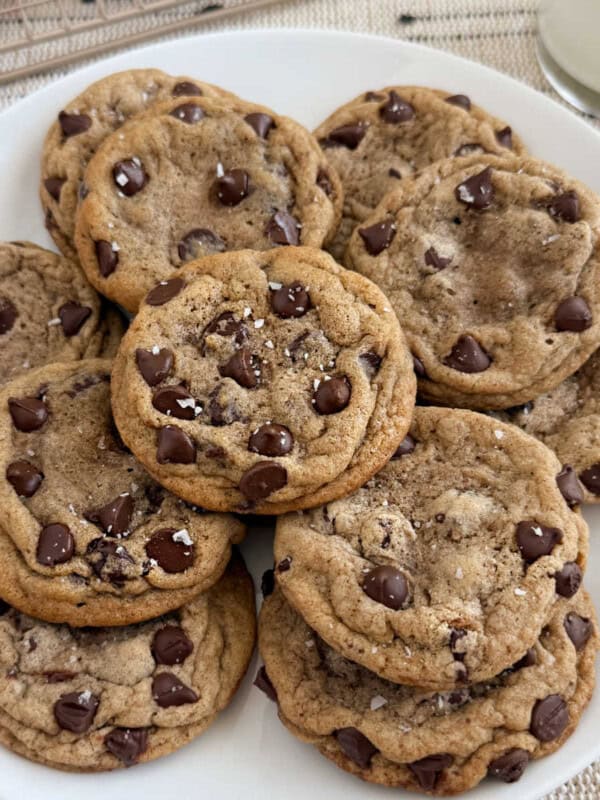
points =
(476, 192)
(8, 315)
(24, 478)
(220, 410)
(73, 124)
(129, 176)
(186, 89)
(324, 182)
(565, 207)
(549, 718)
(456, 634)
(285, 564)
(371, 362)
(198, 242)
(378, 237)
(72, 316)
(386, 585)
(171, 554)
(53, 186)
(291, 300)
(76, 711)
(332, 396)
(115, 516)
(174, 401)
(406, 446)
(283, 228)
(460, 100)
(108, 559)
(127, 744)
(349, 136)
(590, 478)
(262, 479)
(569, 486)
(271, 439)
(55, 545)
(510, 766)
(535, 540)
(232, 187)
(240, 368)
(154, 366)
(59, 677)
(267, 583)
(171, 645)
(168, 690)
(189, 113)
(260, 123)
(174, 446)
(419, 367)
(107, 257)
(164, 291)
(467, 355)
(226, 325)
(395, 109)
(263, 682)
(528, 660)
(579, 629)
(433, 259)
(573, 314)
(27, 413)
(504, 137)
(568, 579)
(428, 770)
(356, 746)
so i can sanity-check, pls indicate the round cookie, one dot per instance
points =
(382, 137)
(86, 536)
(263, 382)
(446, 565)
(84, 124)
(440, 743)
(48, 311)
(101, 698)
(195, 177)
(493, 266)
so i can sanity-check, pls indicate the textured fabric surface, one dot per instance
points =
(499, 33)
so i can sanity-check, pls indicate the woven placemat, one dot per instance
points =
(499, 33)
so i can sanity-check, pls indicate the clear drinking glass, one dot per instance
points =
(569, 50)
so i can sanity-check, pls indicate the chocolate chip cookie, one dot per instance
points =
(86, 536)
(48, 311)
(84, 124)
(440, 743)
(493, 266)
(196, 177)
(443, 568)
(101, 698)
(263, 382)
(378, 139)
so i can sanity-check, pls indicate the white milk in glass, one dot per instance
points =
(570, 31)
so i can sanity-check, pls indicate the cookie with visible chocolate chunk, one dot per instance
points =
(102, 698)
(380, 138)
(493, 266)
(84, 124)
(446, 565)
(197, 176)
(49, 312)
(263, 382)
(436, 742)
(86, 536)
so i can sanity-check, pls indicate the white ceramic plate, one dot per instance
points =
(247, 754)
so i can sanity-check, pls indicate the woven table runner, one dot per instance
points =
(499, 33)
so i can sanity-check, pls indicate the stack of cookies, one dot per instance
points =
(425, 623)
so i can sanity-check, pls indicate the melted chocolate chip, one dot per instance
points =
(115, 516)
(549, 718)
(271, 440)
(394, 173)
(8, 315)
(349, 136)
(240, 368)
(107, 257)
(127, 744)
(198, 242)
(232, 187)
(371, 362)
(190, 113)
(590, 478)
(267, 583)
(262, 479)
(154, 367)
(467, 355)
(356, 746)
(396, 110)
(55, 545)
(59, 677)
(332, 396)
(406, 446)
(565, 207)
(263, 682)
(427, 770)
(579, 629)
(72, 316)
(386, 585)
(433, 259)
(174, 446)
(24, 477)
(460, 100)
(169, 553)
(108, 559)
(568, 579)
(476, 192)
(378, 237)
(174, 401)
(324, 182)
(27, 413)
(226, 325)
(283, 228)
(569, 486)
(168, 690)
(510, 766)
(186, 89)
(73, 124)
(54, 186)
(573, 314)
(456, 634)
(75, 711)
(504, 137)
(171, 645)
(528, 660)
(285, 564)
(290, 301)
(260, 123)
(535, 540)
(164, 291)
(129, 176)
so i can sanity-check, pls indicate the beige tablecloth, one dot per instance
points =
(500, 33)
